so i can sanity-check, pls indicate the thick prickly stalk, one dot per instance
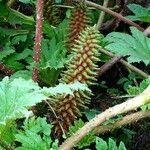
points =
(82, 68)
(38, 39)
(79, 21)
(50, 12)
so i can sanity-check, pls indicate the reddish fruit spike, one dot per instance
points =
(79, 20)
(50, 12)
(81, 68)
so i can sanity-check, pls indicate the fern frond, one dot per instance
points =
(82, 68)
(79, 21)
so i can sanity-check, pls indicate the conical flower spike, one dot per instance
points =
(79, 21)
(70, 106)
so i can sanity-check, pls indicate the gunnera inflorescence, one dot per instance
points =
(82, 68)
(80, 19)
(50, 12)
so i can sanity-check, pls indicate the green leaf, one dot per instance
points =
(36, 135)
(133, 90)
(6, 51)
(87, 140)
(12, 32)
(13, 61)
(19, 38)
(25, 74)
(91, 113)
(101, 144)
(53, 54)
(13, 16)
(122, 146)
(16, 96)
(137, 46)
(141, 13)
(53, 59)
(111, 145)
(65, 89)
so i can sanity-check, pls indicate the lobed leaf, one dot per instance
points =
(137, 46)
(140, 13)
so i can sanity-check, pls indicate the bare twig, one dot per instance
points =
(125, 63)
(116, 15)
(102, 14)
(38, 38)
(127, 106)
(108, 65)
(128, 119)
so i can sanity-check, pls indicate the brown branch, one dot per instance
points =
(38, 38)
(128, 119)
(125, 63)
(108, 65)
(116, 15)
(5, 69)
(127, 106)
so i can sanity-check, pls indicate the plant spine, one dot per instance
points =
(82, 68)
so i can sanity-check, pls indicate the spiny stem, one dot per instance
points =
(38, 38)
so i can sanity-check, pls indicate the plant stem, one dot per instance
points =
(127, 106)
(38, 38)
(116, 15)
(128, 119)
(102, 14)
